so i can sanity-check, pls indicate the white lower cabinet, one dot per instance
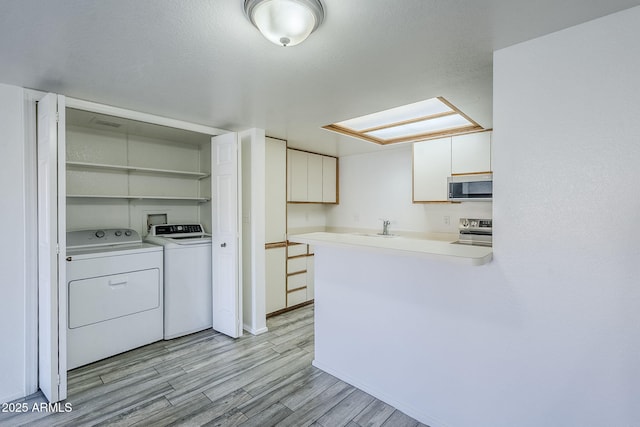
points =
(296, 280)
(296, 297)
(299, 278)
(289, 277)
(276, 279)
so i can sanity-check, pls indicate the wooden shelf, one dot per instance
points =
(85, 165)
(94, 196)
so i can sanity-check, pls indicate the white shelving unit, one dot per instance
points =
(135, 169)
(120, 170)
(83, 165)
(126, 197)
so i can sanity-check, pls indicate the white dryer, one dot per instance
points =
(115, 294)
(187, 277)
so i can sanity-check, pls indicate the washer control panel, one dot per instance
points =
(170, 229)
(177, 230)
(102, 237)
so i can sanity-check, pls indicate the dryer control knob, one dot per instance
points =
(100, 234)
(118, 233)
(127, 233)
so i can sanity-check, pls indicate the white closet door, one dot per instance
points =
(52, 306)
(226, 230)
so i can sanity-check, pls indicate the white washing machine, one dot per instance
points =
(115, 294)
(187, 277)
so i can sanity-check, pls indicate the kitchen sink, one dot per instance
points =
(375, 235)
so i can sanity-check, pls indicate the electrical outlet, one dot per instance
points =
(447, 219)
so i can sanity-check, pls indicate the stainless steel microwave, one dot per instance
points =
(470, 188)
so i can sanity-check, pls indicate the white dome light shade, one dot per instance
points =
(285, 22)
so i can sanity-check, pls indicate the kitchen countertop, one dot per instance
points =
(398, 245)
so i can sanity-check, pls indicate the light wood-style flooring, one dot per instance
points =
(208, 379)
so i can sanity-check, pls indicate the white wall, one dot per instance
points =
(14, 259)
(566, 208)
(378, 185)
(306, 217)
(548, 333)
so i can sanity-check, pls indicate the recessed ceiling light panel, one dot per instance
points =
(413, 122)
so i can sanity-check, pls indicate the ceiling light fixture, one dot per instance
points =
(285, 22)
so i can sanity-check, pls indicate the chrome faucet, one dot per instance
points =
(385, 227)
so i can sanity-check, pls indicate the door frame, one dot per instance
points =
(32, 97)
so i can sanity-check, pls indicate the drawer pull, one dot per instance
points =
(117, 282)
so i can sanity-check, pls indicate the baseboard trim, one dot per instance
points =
(293, 307)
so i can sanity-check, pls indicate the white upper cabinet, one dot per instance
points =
(471, 153)
(437, 159)
(275, 190)
(329, 179)
(431, 167)
(312, 178)
(297, 175)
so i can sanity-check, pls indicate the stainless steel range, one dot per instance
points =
(476, 232)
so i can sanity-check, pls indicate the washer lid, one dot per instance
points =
(198, 239)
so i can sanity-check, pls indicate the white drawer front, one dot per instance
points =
(297, 297)
(103, 298)
(296, 281)
(294, 250)
(296, 264)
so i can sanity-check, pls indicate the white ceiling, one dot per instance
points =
(202, 61)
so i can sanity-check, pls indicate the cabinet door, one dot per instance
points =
(275, 190)
(276, 279)
(471, 153)
(297, 176)
(329, 179)
(431, 167)
(314, 177)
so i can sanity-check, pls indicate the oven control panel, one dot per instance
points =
(475, 225)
